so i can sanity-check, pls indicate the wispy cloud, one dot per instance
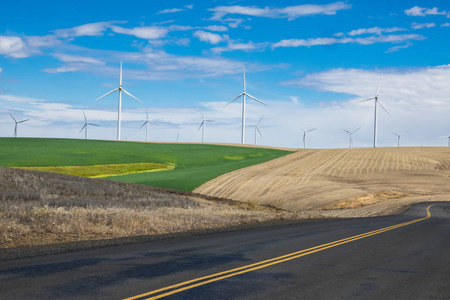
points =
(375, 30)
(174, 10)
(362, 41)
(418, 11)
(209, 37)
(290, 12)
(415, 25)
(144, 32)
(232, 45)
(91, 29)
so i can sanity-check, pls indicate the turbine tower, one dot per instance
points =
(446, 136)
(202, 125)
(375, 117)
(119, 110)
(85, 127)
(257, 130)
(243, 94)
(17, 122)
(351, 133)
(304, 135)
(398, 137)
(146, 127)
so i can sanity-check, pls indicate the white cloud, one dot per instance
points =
(209, 37)
(415, 25)
(78, 58)
(91, 29)
(216, 28)
(445, 25)
(417, 11)
(144, 32)
(362, 41)
(13, 46)
(174, 10)
(233, 46)
(375, 30)
(290, 12)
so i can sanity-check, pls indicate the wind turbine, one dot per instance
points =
(120, 89)
(202, 125)
(398, 137)
(257, 130)
(85, 127)
(351, 133)
(146, 127)
(17, 122)
(304, 135)
(446, 136)
(243, 94)
(375, 117)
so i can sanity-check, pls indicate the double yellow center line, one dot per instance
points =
(177, 288)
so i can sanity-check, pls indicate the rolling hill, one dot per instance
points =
(378, 181)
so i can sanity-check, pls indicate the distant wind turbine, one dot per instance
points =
(85, 127)
(446, 136)
(119, 110)
(243, 94)
(146, 127)
(375, 117)
(398, 137)
(203, 124)
(178, 135)
(257, 130)
(351, 133)
(17, 122)
(304, 135)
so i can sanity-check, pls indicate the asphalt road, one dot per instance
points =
(397, 257)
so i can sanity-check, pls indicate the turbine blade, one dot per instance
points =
(85, 119)
(82, 128)
(153, 123)
(203, 117)
(146, 111)
(346, 131)
(403, 131)
(143, 124)
(302, 128)
(366, 100)
(259, 121)
(210, 121)
(107, 94)
(92, 124)
(243, 71)
(356, 130)
(23, 121)
(378, 88)
(12, 117)
(258, 131)
(255, 99)
(383, 107)
(311, 129)
(131, 95)
(120, 82)
(233, 99)
(201, 124)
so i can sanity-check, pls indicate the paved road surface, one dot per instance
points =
(398, 257)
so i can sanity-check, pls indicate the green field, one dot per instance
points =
(194, 164)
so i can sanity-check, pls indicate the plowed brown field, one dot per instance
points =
(341, 182)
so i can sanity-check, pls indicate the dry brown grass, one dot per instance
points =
(313, 180)
(38, 208)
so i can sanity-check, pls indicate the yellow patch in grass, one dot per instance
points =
(99, 171)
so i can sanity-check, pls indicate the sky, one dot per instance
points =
(310, 62)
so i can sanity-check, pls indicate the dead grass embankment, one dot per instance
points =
(38, 208)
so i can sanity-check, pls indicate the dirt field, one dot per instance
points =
(341, 182)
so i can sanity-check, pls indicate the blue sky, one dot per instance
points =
(310, 62)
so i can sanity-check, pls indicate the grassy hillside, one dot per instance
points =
(340, 178)
(194, 164)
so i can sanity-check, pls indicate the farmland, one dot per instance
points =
(334, 182)
(188, 165)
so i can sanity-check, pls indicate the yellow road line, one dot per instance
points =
(176, 288)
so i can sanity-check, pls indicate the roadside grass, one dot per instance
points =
(194, 164)
(39, 208)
